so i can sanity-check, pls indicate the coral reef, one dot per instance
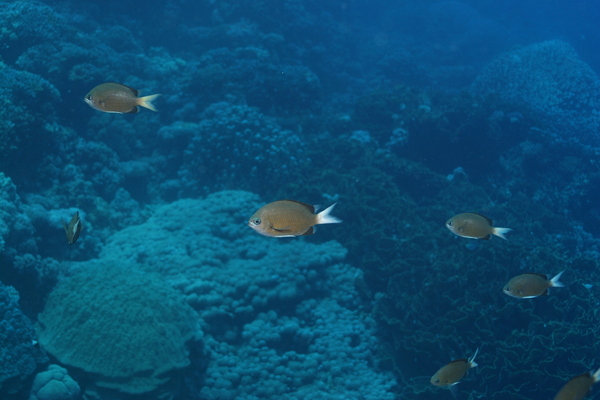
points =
(16, 230)
(233, 146)
(282, 318)
(126, 329)
(20, 355)
(54, 383)
(27, 110)
(317, 101)
(551, 79)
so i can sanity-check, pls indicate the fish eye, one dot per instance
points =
(507, 288)
(88, 97)
(449, 223)
(436, 380)
(256, 221)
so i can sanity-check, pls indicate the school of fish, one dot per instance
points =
(291, 218)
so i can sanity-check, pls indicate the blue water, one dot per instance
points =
(403, 113)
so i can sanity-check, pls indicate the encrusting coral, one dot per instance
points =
(282, 318)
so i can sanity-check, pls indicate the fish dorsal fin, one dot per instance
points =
(540, 275)
(135, 92)
(484, 217)
(308, 206)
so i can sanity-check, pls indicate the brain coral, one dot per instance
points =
(54, 384)
(550, 78)
(125, 327)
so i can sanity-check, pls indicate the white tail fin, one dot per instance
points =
(146, 101)
(596, 375)
(501, 231)
(554, 282)
(325, 217)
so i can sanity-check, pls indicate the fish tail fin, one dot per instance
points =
(555, 281)
(501, 231)
(146, 101)
(325, 217)
(596, 375)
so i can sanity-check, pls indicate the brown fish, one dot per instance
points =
(527, 286)
(578, 387)
(451, 373)
(73, 229)
(474, 226)
(116, 98)
(285, 218)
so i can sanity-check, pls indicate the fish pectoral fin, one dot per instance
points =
(286, 229)
(453, 389)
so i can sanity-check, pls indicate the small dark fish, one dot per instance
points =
(73, 229)
(527, 286)
(285, 218)
(116, 98)
(451, 373)
(474, 226)
(578, 387)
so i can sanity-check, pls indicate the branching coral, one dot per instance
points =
(232, 146)
(18, 354)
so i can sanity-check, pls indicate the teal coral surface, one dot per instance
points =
(404, 113)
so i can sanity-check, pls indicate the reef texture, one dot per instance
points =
(551, 79)
(231, 146)
(19, 354)
(126, 329)
(282, 318)
(54, 383)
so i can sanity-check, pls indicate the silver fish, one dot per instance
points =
(73, 230)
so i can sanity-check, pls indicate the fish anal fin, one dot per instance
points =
(134, 110)
(486, 237)
(309, 231)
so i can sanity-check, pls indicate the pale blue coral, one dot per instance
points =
(282, 318)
